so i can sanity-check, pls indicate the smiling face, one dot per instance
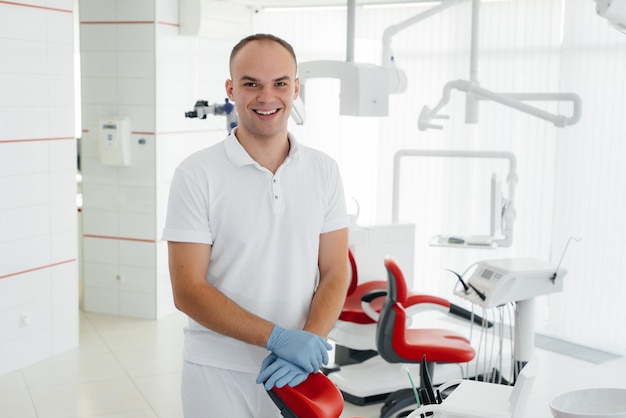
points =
(263, 86)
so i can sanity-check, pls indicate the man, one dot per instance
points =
(257, 239)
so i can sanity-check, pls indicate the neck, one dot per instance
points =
(269, 152)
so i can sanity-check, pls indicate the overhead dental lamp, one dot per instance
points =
(364, 88)
(614, 11)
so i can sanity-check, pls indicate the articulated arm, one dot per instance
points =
(514, 100)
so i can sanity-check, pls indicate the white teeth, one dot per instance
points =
(269, 112)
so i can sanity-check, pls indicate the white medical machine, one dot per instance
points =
(495, 283)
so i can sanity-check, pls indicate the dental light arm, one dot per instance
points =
(388, 58)
(202, 108)
(514, 100)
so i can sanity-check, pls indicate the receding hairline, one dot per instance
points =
(263, 37)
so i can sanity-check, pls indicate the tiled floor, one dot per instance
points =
(130, 368)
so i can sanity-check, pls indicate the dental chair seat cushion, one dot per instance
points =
(439, 346)
(316, 397)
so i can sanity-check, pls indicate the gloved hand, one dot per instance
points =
(302, 348)
(278, 372)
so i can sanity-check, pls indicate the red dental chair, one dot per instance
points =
(398, 344)
(355, 331)
(316, 397)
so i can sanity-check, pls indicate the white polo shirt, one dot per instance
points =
(264, 229)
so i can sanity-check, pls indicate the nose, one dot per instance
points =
(264, 94)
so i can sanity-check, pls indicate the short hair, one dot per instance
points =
(261, 37)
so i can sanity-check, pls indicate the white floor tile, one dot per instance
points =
(88, 399)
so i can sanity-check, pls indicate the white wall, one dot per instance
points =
(38, 230)
(135, 64)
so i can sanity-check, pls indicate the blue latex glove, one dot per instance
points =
(302, 348)
(278, 372)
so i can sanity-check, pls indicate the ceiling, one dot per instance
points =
(262, 4)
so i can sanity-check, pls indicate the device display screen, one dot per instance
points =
(486, 274)
(109, 126)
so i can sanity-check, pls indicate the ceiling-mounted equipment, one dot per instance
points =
(514, 100)
(364, 88)
(475, 93)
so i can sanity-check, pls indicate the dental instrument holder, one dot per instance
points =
(202, 108)
(508, 209)
(517, 280)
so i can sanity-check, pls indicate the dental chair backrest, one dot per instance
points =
(316, 397)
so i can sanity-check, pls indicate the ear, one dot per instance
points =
(228, 85)
(297, 88)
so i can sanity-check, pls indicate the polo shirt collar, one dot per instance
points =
(238, 155)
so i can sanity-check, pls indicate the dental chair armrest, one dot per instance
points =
(366, 301)
(423, 303)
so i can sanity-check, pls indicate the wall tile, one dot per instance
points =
(138, 200)
(98, 64)
(13, 188)
(100, 90)
(100, 222)
(63, 185)
(167, 11)
(136, 10)
(64, 245)
(20, 89)
(101, 275)
(139, 279)
(60, 90)
(139, 37)
(60, 28)
(135, 91)
(135, 64)
(100, 250)
(18, 158)
(62, 154)
(61, 122)
(98, 37)
(138, 225)
(101, 198)
(24, 254)
(139, 254)
(97, 10)
(28, 221)
(22, 56)
(22, 23)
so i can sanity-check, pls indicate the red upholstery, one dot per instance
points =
(352, 310)
(410, 345)
(316, 397)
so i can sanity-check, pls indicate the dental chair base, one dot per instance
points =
(472, 399)
(373, 380)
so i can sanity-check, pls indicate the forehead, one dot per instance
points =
(263, 57)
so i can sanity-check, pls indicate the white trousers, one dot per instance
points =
(212, 392)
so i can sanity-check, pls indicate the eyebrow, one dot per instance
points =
(249, 78)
